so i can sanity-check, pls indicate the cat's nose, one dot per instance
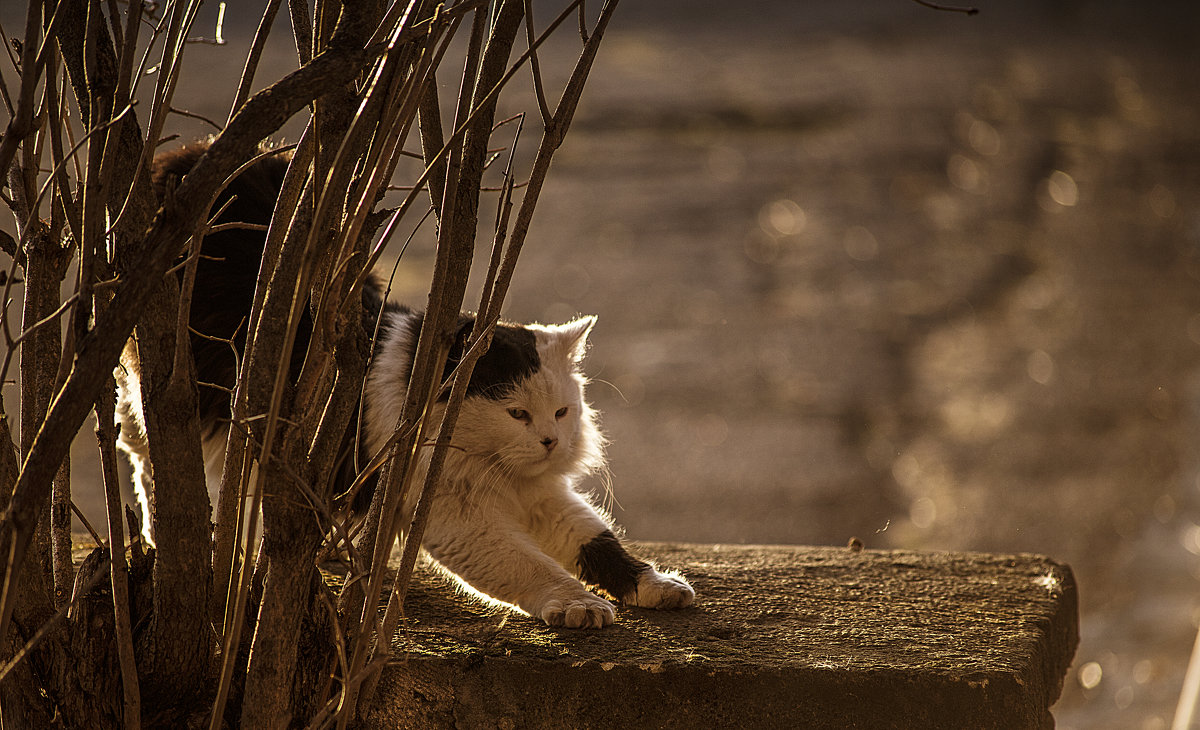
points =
(549, 443)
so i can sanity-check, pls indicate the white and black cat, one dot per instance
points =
(507, 519)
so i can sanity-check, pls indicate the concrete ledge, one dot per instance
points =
(779, 637)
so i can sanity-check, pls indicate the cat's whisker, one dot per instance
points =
(613, 386)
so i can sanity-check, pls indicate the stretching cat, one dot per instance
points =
(507, 519)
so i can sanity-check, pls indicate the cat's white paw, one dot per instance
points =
(582, 612)
(661, 590)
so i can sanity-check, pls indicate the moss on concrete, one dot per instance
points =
(778, 637)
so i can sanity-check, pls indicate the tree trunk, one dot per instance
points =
(290, 541)
(179, 638)
(45, 266)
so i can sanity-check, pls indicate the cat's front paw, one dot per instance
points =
(583, 612)
(661, 590)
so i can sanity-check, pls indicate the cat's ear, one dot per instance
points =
(571, 338)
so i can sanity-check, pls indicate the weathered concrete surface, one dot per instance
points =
(779, 637)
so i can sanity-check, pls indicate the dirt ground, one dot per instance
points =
(921, 278)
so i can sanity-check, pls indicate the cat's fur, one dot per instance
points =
(507, 519)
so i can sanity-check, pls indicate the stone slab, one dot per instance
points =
(779, 636)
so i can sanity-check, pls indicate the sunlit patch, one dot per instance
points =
(943, 211)
(860, 244)
(965, 174)
(983, 137)
(464, 588)
(1191, 539)
(1026, 76)
(1049, 581)
(995, 102)
(762, 248)
(1061, 189)
(906, 470)
(1164, 508)
(976, 416)
(782, 218)
(1090, 675)
(1123, 697)
(923, 512)
(1040, 367)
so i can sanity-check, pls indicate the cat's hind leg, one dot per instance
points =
(131, 440)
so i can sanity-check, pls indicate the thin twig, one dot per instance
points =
(75, 148)
(237, 226)
(179, 24)
(254, 55)
(62, 309)
(20, 125)
(535, 66)
(106, 438)
(16, 64)
(193, 115)
(948, 8)
(58, 120)
(87, 525)
(179, 368)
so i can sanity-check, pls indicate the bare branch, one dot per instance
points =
(87, 525)
(21, 123)
(193, 115)
(97, 354)
(254, 55)
(106, 437)
(432, 142)
(302, 29)
(534, 65)
(218, 38)
(948, 8)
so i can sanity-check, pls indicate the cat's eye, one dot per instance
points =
(519, 414)
(560, 412)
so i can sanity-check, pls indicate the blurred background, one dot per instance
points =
(871, 270)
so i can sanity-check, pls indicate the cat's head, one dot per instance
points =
(526, 410)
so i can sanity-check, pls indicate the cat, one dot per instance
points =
(507, 519)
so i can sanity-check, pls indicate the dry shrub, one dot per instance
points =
(189, 632)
